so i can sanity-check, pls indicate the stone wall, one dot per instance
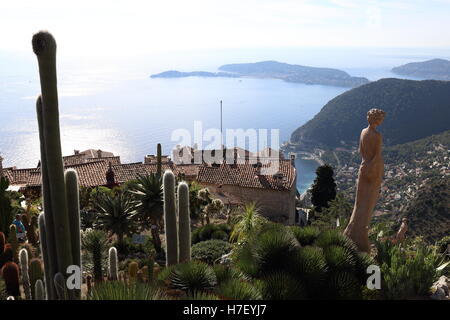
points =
(276, 205)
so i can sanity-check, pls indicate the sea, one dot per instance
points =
(111, 103)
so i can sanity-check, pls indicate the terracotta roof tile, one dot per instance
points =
(130, 171)
(246, 175)
(114, 160)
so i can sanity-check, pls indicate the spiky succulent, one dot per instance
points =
(283, 286)
(192, 276)
(236, 289)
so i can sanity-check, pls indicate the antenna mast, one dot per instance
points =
(221, 132)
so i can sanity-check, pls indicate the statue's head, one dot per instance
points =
(375, 117)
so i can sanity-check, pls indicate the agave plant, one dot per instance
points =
(95, 244)
(238, 289)
(192, 276)
(339, 258)
(200, 295)
(117, 290)
(246, 222)
(226, 272)
(305, 235)
(282, 286)
(344, 285)
(116, 214)
(148, 193)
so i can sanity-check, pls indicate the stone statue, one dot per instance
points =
(369, 180)
(400, 236)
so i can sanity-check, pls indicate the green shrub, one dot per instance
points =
(273, 249)
(282, 286)
(224, 273)
(200, 295)
(339, 258)
(126, 248)
(311, 267)
(409, 274)
(443, 244)
(211, 231)
(210, 250)
(306, 235)
(334, 237)
(236, 289)
(117, 290)
(344, 285)
(192, 276)
(220, 235)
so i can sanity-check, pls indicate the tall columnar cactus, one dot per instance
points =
(39, 291)
(113, 265)
(158, 160)
(10, 273)
(184, 223)
(61, 246)
(170, 219)
(35, 272)
(49, 268)
(23, 259)
(73, 209)
(60, 286)
(12, 239)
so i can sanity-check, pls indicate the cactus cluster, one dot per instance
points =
(59, 224)
(178, 235)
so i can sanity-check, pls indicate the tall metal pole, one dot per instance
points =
(221, 132)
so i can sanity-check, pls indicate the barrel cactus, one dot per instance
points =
(10, 273)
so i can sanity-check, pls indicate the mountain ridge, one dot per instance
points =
(415, 109)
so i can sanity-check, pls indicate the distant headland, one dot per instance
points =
(276, 70)
(435, 69)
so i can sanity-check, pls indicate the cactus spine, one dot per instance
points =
(39, 292)
(170, 219)
(23, 259)
(61, 228)
(113, 268)
(158, 160)
(184, 223)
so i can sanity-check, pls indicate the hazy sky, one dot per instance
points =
(121, 27)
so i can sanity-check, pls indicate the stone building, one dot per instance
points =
(236, 180)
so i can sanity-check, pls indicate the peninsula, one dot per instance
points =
(276, 70)
(435, 69)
